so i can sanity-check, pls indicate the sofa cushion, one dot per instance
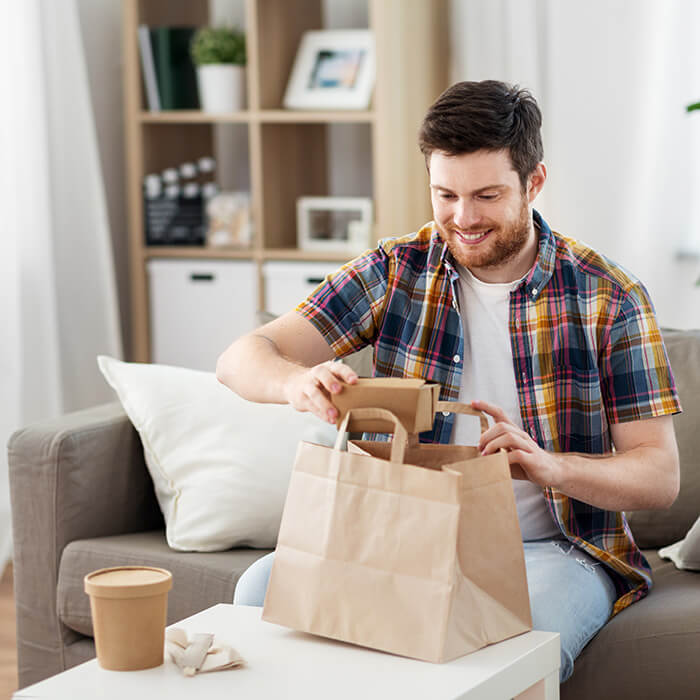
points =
(220, 464)
(650, 649)
(78, 651)
(656, 528)
(200, 579)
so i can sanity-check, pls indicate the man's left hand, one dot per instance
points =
(526, 458)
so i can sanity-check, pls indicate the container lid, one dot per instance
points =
(128, 582)
(390, 382)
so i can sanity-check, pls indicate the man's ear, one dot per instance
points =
(535, 181)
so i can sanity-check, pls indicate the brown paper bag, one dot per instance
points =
(422, 559)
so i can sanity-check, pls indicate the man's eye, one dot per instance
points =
(487, 197)
(446, 195)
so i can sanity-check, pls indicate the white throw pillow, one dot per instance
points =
(686, 553)
(220, 465)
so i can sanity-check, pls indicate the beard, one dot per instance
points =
(502, 245)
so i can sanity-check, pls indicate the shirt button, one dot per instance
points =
(457, 358)
(533, 291)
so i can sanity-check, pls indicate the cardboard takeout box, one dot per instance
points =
(411, 400)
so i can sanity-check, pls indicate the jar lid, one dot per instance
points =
(170, 175)
(188, 170)
(190, 190)
(206, 164)
(128, 582)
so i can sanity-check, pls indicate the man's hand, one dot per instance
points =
(526, 458)
(311, 389)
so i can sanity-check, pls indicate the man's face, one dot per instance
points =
(482, 213)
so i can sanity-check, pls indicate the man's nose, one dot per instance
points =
(466, 215)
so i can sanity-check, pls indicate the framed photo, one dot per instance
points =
(340, 224)
(333, 69)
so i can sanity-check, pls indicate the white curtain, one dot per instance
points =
(612, 78)
(58, 303)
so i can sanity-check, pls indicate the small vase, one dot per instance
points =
(221, 87)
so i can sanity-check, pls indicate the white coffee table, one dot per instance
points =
(287, 664)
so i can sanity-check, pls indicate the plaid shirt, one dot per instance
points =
(587, 352)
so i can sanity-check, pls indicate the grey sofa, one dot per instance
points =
(82, 499)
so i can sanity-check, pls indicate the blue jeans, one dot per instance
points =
(570, 593)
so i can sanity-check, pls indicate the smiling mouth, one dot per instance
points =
(472, 238)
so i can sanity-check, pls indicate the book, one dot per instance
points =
(148, 69)
(175, 73)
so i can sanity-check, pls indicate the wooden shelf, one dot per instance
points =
(191, 116)
(295, 254)
(191, 251)
(283, 116)
(157, 251)
(267, 116)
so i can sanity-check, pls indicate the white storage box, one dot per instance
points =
(198, 307)
(288, 283)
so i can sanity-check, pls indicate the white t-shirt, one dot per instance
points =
(488, 375)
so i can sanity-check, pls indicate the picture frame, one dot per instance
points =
(333, 69)
(334, 224)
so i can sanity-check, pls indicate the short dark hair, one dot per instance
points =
(488, 115)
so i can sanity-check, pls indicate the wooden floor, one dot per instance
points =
(8, 649)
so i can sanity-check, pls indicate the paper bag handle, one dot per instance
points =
(398, 444)
(456, 407)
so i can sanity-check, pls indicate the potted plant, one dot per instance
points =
(220, 56)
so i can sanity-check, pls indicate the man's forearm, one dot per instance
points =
(643, 473)
(255, 369)
(638, 479)
(286, 361)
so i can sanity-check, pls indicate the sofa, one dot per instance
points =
(82, 499)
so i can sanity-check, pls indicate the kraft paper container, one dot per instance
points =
(412, 401)
(129, 606)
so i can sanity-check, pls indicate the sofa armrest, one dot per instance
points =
(79, 476)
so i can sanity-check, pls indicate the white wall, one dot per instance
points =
(101, 27)
(612, 78)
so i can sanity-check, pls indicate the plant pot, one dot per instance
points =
(221, 87)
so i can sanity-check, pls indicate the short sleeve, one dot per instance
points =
(636, 377)
(347, 307)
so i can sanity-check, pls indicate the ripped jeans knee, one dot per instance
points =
(570, 593)
(569, 549)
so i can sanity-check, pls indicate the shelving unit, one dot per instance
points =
(287, 150)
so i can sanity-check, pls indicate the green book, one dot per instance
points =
(175, 72)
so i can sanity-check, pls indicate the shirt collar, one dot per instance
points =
(542, 270)
(444, 257)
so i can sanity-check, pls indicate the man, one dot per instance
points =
(555, 342)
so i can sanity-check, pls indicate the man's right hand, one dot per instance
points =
(310, 389)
